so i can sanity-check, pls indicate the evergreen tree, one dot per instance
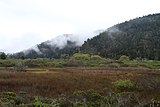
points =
(3, 56)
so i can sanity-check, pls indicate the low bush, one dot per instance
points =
(96, 57)
(153, 103)
(7, 63)
(124, 84)
(114, 65)
(20, 66)
(59, 63)
(88, 98)
(124, 58)
(79, 56)
(39, 62)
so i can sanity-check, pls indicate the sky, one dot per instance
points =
(25, 23)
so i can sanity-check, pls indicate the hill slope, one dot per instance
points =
(55, 48)
(137, 38)
(60, 46)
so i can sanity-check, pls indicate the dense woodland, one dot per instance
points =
(46, 50)
(138, 38)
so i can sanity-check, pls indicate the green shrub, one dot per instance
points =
(124, 84)
(96, 57)
(39, 62)
(89, 98)
(152, 103)
(7, 63)
(20, 66)
(79, 56)
(40, 102)
(74, 63)
(59, 63)
(114, 65)
(124, 58)
(12, 94)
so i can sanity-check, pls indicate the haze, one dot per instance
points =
(25, 23)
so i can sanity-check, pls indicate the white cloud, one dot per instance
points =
(45, 19)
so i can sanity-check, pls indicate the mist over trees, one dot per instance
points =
(45, 50)
(138, 38)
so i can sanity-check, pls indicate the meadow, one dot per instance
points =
(140, 83)
(79, 81)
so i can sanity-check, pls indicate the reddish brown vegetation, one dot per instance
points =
(56, 81)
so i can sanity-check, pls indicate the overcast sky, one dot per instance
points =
(24, 23)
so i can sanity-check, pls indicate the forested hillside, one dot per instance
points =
(61, 46)
(137, 38)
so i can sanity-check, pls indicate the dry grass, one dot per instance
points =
(56, 81)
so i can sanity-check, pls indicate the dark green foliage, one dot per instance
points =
(3, 55)
(46, 50)
(135, 38)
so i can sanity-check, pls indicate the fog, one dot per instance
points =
(25, 23)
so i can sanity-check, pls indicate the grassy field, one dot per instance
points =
(55, 82)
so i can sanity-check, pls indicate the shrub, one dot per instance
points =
(124, 58)
(11, 94)
(153, 103)
(79, 56)
(7, 63)
(89, 98)
(59, 63)
(114, 65)
(124, 84)
(96, 57)
(20, 66)
(39, 62)
(74, 63)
